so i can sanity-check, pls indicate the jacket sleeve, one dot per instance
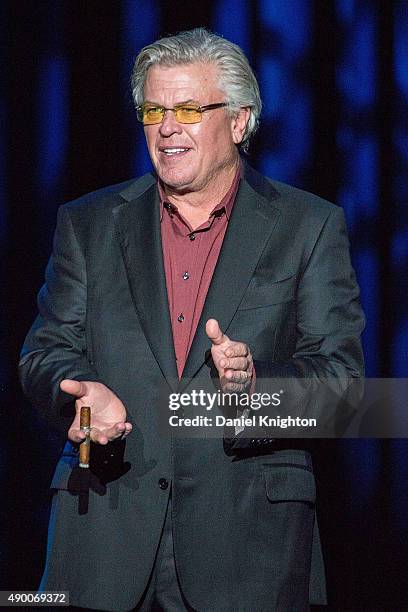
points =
(327, 365)
(55, 347)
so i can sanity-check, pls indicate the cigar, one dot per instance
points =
(85, 447)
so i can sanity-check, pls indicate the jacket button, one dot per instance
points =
(163, 483)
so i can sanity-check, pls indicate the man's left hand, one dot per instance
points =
(233, 360)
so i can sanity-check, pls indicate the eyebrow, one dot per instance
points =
(190, 101)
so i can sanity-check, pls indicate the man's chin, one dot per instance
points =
(176, 182)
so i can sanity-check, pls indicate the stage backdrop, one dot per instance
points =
(334, 82)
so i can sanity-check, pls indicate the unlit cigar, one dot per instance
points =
(85, 447)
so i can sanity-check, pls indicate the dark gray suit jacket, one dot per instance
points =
(244, 524)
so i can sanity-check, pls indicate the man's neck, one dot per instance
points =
(196, 206)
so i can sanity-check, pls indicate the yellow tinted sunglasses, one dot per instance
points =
(149, 113)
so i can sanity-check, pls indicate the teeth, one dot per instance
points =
(174, 150)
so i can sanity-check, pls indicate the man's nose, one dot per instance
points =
(170, 125)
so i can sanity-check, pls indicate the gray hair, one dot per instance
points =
(237, 79)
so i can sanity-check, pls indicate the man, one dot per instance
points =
(157, 284)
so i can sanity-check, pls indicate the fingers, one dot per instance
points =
(237, 371)
(237, 349)
(73, 387)
(236, 380)
(229, 387)
(233, 360)
(98, 436)
(214, 332)
(76, 435)
(119, 430)
(236, 363)
(237, 376)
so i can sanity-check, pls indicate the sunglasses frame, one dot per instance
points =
(200, 109)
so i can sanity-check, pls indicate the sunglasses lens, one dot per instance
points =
(151, 114)
(188, 114)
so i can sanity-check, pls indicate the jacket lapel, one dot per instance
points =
(137, 223)
(252, 221)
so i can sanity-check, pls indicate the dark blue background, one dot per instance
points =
(334, 82)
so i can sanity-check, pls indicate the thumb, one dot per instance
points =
(73, 387)
(214, 332)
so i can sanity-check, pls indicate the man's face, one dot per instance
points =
(209, 146)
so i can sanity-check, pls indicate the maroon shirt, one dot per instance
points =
(190, 258)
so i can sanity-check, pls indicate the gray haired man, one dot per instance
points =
(204, 273)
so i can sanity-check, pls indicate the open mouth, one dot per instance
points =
(171, 151)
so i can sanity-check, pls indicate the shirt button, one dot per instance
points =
(186, 276)
(180, 318)
(192, 236)
(163, 483)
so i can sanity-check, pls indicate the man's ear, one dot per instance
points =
(239, 123)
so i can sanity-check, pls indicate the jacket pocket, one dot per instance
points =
(289, 483)
(276, 292)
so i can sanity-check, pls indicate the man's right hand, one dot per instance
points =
(108, 414)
